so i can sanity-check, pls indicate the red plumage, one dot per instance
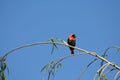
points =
(72, 41)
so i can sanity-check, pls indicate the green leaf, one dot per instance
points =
(54, 44)
(0, 73)
(45, 67)
(57, 39)
(59, 65)
(52, 49)
(4, 66)
(103, 77)
(3, 78)
(8, 70)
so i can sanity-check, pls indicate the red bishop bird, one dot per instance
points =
(72, 41)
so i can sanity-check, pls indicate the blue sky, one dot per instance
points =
(96, 24)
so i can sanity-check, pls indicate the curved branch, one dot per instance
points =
(116, 76)
(100, 71)
(107, 49)
(85, 69)
(28, 45)
(65, 44)
(56, 62)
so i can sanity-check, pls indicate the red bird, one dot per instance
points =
(72, 41)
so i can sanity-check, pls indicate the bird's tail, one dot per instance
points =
(72, 52)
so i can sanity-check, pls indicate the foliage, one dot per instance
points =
(3, 67)
(52, 67)
(101, 74)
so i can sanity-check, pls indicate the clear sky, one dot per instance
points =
(96, 24)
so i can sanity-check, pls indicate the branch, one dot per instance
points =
(100, 71)
(51, 68)
(65, 44)
(105, 52)
(85, 69)
(117, 75)
(27, 45)
(61, 59)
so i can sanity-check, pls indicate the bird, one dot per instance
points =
(72, 42)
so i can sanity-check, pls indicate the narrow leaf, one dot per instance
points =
(45, 67)
(52, 49)
(54, 44)
(59, 65)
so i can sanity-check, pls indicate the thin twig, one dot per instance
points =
(116, 75)
(84, 70)
(58, 61)
(110, 70)
(101, 72)
(60, 43)
(105, 52)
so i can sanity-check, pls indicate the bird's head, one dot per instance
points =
(73, 35)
